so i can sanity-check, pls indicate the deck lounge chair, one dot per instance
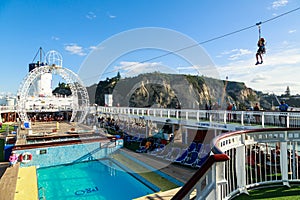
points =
(174, 154)
(200, 161)
(198, 147)
(191, 159)
(127, 138)
(164, 153)
(182, 158)
(142, 149)
(158, 148)
(141, 138)
(135, 138)
(192, 146)
(205, 149)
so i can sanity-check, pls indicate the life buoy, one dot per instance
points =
(25, 157)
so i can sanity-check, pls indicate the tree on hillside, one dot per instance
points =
(62, 89)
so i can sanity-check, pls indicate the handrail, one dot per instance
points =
(190, 185)
(244, 118)
(194, 117)
(225, 182)
(252, 149)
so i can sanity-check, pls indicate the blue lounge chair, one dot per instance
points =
(205, 149)
(182, 158)
(142, 149)
(174, 154)
(192, 146)
(191, 159)
(135, 138)
(198, 148)
(200, 161)
(165, 152)
(159, 148)
(141, 138)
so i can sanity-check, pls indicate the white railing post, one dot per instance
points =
(219, 179)
(240, 168)
(242, 118)
(210, 116)
(263, 119)
(288, 120)
(284, 161)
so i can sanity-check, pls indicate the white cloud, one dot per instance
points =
(134, 68)
(279, 3)
(55, 38)
(92, 47)
(111, 16)
(292, 31)
(236, 54)
(186, 68)
(91, 15)
(75, 49)
(259, 78)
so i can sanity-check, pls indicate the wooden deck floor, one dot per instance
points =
(8, 181)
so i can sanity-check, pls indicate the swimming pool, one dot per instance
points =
(93, 180)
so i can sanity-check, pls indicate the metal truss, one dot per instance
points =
(80, 103)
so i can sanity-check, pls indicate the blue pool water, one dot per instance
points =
(92, 180)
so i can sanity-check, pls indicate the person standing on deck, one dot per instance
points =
(234, 113)
(283, 107)
(256, 115)
(13, 159)
(229, 109)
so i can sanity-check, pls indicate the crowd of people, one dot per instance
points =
(46, 117)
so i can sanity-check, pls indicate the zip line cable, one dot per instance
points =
(213, 39)
(280, 15)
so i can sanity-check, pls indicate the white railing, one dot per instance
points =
(193, 117)
(257, 158)
(7, 108)
(261, 119)
(260, 157)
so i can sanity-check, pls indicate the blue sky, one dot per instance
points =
(75, 28)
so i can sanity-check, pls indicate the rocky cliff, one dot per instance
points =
(176, 90)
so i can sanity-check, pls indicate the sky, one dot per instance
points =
(137, 36)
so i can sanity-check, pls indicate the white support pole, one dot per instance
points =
(263, 119)
(220, 179)
(241, 169)
(242, 118)
(288, 120)
(284, 162)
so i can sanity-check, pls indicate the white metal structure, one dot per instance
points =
(54, 58)
(80, 98)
